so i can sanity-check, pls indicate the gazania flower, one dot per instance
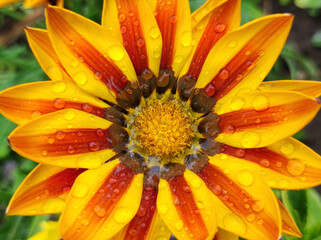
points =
(158, 123)
(33, 3)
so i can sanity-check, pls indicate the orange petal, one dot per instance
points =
(288, 225)
(101, 202)
(34, 3)
(245, 205)
(95, 60)
(286, 164)
(242, 59)
(69, 138)
(29, 101)
(147, 224)
(134, 24)
(259, 119)
(42, 48)
(43, 191)
(225, 235)
(184, 205)
(174, 21)
(306, 87)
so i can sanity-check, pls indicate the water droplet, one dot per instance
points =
(85, 222)
(70, 149)
(80, 78)
(247, 53)
(179, 225)
(209, 89)
(69, 115)
(79, 190)
(196, 183)
(51, 140)
(136, 22)
(178, 59)
(44, 153)
(251, 139)
(94, 146)
(186, 39)
(287, 148)
(237, 103)
(156, 54)
(250, 217)
(121, 17)
(58, 86)
(240, 152)
(154, 32)
(55, 71)
(35, 114)
(224, 74)
(219, 28)
(60, 135)
(295, 167)
(257, 206)
(260, 221)
(217, 189)
(232, 221)
(74, 62)
(162, 208)
(59, 103)
(173, 19)
(264, 163)
(228, 128)
(87, 107)
(53, 205)
(123, 215)
(232, 44)
(116, 52)
(140, 42)
(72, 42)
(245, 177)
(99, 211)
(261, 103)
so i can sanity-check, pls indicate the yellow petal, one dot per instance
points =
(4, 3)
(310, 88)
(43, 191)
(97, 209)
(34, 3)
(26, 102)
(95, 60)
(260, 119)
(42, 48)
(225, 235)
(134, 24)
(244, 204)
(288, 225)
(69, 138)
(286, 164)
(50, 231)
(242, 59)
(184, 206)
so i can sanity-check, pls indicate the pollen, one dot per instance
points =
(163, 129)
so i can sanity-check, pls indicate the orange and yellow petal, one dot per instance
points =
(306, 87)
(243, 58)
(4, 3)
(259, 119)
(288, 225)
(69, 138)
(101, 202)
(43, 191)
(244, 204)
(26, 102)
(93, 58)
(43, 50)
(147, 224)
(225, 235)
(184, 205)
(286, 164)
(133, 23)
(174, 21)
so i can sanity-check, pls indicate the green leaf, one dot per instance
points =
(195, 4)
(250, 10)
(308, 3)
(316, 39)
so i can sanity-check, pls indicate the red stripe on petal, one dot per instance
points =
(103, 69)
(165, 14)
(274, 161)
(52, 187)
(138, 228)
(217, 26)
(103, 202)
(244, 61)
(70, 141)
(187, 209)
(31, 108)
(236, 198)
(130, 28)
(250, 118)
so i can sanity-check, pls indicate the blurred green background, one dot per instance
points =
(300, 59)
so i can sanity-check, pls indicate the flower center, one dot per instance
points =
(163, 129)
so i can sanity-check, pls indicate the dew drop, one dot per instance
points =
(237, 103)
(94, 146)
(60, 135)
(59, 103)
(87, 107)
(232, 44)
(44, 153)
(295, 167)
(287, 148)
(99, 211)
(251, 139)
(250, 217)
(51, 140)
(179, 225)
(35, 114)
(196, 183)
(53, 205)
(156, 54)
(245, 177)
(55, 71)
(264, 163)
(228, 128)
(209, 89)
(224, 74)
(186, 39)
(217, 189)
(240, 152)
(80, 78)
(85, 222)
(79, 190)
(219, 28)
(162, 209)
(178, 59)
(74, 62)
(116, 52)
(69, 115)
(58, 86)
(140, 42)
(257, 206)
(232, 221)
(261, 103)
(123, 215)
(154, 33)
(121, 17)
(70, 149)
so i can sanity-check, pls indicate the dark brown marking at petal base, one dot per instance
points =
(172, 170)
(115, 116)
(147, 83)
(165, 80)
(209, 146)
(185, 87)
(208, 126)
(196, 162)
(201, 102)
(134, 161)
(151, 177)
(130, 96)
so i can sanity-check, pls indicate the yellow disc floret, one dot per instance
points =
(163, 129)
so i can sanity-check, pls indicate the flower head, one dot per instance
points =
(158, 122)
